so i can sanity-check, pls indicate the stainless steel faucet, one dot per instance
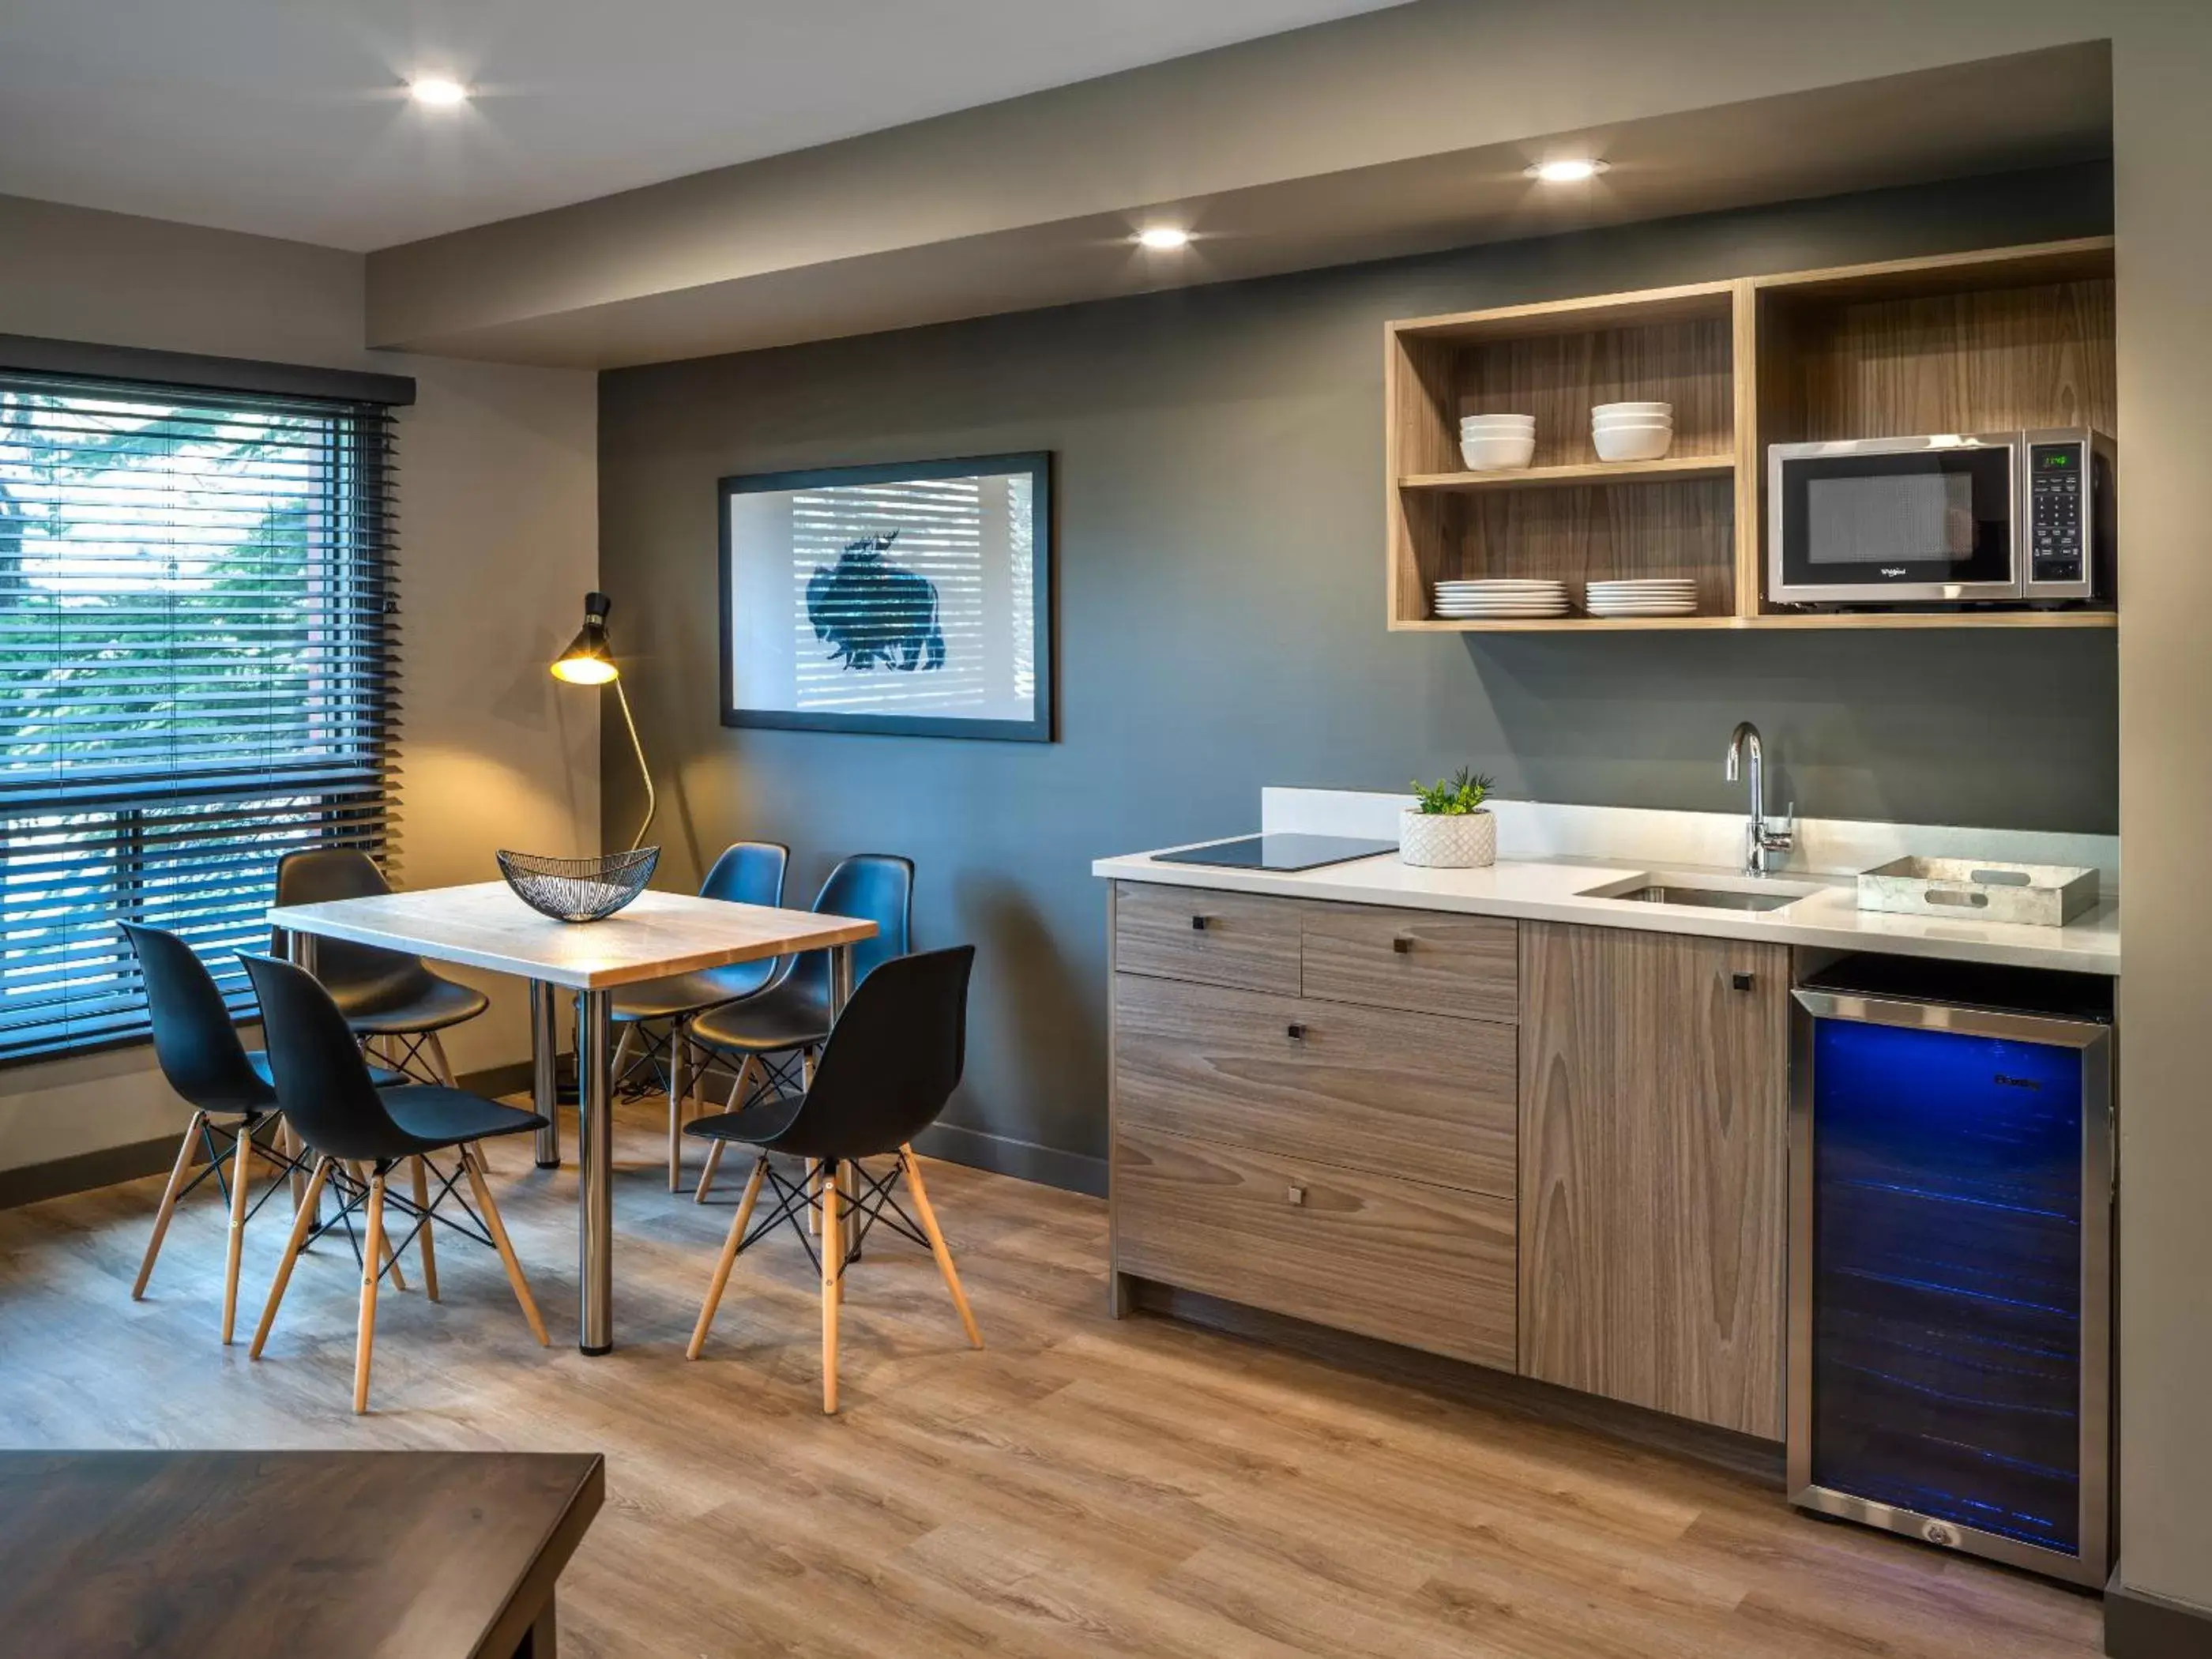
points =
(1765, 839)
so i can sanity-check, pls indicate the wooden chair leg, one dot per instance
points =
(371, 1271)
(473, 1164)
(303, 1222)
(177, 1173)
(241, 1177)
(833, 1249)
(421, 1179)
(398, 1279)
(707, 1174)
(294, 1147)
(911, 1167)
(435, 1048)
(730, 1247)
(679, 1087)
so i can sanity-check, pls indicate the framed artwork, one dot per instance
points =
(912, 598)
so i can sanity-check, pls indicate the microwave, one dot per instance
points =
(1954, 519)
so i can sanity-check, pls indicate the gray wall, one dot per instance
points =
(1220, 606)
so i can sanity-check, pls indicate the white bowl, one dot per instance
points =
(1632, 426)
(1667, 410)
(1485, 426)
(1632, 444)
(1500, 454)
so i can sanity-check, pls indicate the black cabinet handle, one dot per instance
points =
(1742, 981)
(1296, 1033)
(1198, 924)
(1402, 944)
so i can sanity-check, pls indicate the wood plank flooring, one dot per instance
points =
(1082, 1486)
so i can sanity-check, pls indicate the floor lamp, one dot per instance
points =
(590, 660)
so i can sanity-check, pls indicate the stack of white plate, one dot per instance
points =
(1500, 600)
(1496, 443)
(1654, 596)
(1632, 432)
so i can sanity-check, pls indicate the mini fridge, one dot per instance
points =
(1952, 1198)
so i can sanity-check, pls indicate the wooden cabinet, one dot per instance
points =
(1246, 939)
(1315, 1112)
(1404, 1261)
(1429, 961)
(1535, 1146)
(1654, 1071)
(1371, 1088)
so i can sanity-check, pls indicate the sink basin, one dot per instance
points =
(1702, 892)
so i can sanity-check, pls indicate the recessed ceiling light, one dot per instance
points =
(1566, 172)
(1163, 239)
(438, 92)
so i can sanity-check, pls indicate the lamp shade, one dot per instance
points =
(589, 661)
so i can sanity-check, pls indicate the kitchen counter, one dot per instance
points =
(1557, 889)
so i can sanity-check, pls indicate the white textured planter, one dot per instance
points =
(1439, 841)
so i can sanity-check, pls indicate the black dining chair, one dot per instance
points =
(788, 1021)
(197, 1045)
(885, 1073)
(389, 998)
(748, 873)
(336, 1107)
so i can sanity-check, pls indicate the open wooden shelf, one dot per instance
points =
(1989, 341)
(1578, 472)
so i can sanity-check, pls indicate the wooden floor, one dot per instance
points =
(1084, 1487)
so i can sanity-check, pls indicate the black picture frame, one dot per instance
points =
(1038, 726)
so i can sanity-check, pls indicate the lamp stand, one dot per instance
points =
(652, 801)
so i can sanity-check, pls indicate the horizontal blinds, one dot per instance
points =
(198, 647)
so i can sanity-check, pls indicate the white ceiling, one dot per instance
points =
(286, 116)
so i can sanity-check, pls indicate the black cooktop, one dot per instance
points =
(1280, 852)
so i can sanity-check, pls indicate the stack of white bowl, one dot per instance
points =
(1632, 432)
(1496, 443)
(1500, 599)
(1647, 596)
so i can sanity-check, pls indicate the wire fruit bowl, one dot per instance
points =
(578, 889)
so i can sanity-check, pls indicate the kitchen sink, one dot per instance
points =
(1707, 893)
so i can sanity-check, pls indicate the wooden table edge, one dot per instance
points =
(534, 1591)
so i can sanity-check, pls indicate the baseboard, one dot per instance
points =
(1025, 1160)
(2140, 1626)
(83, 1172)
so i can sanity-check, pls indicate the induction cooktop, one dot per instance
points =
(1280, 852)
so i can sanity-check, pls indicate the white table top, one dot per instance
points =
(485, 926)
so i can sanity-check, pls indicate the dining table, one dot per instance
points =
(487, 925)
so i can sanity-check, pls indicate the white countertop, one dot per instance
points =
(1555, 889)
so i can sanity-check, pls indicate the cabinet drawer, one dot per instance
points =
(1402, 1260)
(1368, 1088)
(1426, 961)
(1214, 939)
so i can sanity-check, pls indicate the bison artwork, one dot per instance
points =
(873, 615)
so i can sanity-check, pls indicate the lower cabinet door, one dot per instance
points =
(1654, 1076)
(1428, 1266)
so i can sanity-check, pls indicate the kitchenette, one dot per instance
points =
(1688, 1110)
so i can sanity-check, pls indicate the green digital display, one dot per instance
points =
(2058, 458)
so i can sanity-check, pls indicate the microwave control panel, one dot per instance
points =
(2059, 501)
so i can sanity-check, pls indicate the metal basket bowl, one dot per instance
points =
(578, 889)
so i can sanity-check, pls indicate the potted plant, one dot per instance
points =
(1448, 827)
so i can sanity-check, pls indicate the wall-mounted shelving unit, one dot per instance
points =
(1989, 341)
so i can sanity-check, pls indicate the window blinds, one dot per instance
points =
(196, 659)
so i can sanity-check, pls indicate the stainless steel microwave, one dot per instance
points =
(1961, 519)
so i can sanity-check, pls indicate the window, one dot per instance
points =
(195, 655)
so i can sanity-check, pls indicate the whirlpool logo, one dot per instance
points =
(2004, 1082)
(1892, 570)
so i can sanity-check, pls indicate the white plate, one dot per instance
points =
(1493, 613)
(1625, 610)
(1501, 587)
